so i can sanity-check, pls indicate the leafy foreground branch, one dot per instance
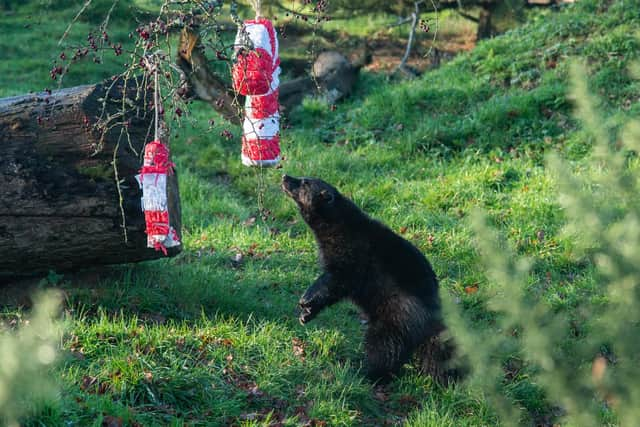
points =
(584, 363)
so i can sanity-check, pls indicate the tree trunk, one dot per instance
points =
(60, 207)
(485, 26)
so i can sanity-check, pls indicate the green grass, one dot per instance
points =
(198, 340)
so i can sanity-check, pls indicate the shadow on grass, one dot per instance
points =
(261, 287)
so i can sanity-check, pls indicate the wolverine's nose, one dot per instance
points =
(290, 184)
(290, 180)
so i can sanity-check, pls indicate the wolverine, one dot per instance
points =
(382, 273)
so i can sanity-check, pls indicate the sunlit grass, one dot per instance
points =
(202, 339)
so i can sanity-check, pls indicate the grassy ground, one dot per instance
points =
(203, 340)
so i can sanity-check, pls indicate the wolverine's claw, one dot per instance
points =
(305, 315)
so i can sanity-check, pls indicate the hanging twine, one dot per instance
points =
(257, 7)
(156, 102)
(152, 66)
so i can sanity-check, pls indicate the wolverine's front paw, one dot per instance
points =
(305, 315)
(307, 312)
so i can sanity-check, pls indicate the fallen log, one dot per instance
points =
(62, 153)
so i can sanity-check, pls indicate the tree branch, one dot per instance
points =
(207, 85)
(294, 13)
(467, 16)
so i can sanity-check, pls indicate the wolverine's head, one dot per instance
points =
(317, 200)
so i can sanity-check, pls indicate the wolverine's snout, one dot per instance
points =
(290, 185)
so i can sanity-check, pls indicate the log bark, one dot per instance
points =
(60, 207)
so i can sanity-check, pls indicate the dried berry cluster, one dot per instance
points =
(320, 9)
(424, 25)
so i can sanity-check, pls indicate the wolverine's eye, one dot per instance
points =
(327, 196)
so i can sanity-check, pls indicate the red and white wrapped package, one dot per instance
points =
(256, 75)
(153, 182)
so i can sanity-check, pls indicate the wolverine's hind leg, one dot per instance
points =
(386, 352)
(438, 358)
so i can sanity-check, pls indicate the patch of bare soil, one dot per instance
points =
(426, 53)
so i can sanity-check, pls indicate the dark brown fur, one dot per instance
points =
(384, 274)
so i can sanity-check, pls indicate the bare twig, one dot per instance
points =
(414, 23)
(73, 21)
(437, 27)
(401, 21)
(105, 22)
(306, 15)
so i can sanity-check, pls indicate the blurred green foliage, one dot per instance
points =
(584, 363)
(29, 347)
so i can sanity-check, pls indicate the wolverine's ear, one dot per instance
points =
(327, 195)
